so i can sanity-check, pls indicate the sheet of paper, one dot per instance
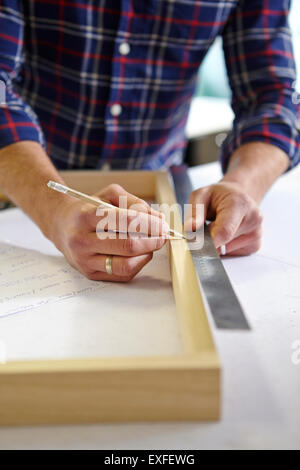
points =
(49, 310)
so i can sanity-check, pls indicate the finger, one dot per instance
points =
(245, 244)
(197, 209)
(246, 251)
(131, 221)
(114, 244)
(252, 221)
(100, 276)
(228, 220)
(121, 266)
(118, 196)
(101, 219)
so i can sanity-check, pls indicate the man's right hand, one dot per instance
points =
(74, 234)
(25, 170)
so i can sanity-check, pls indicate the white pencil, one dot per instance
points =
(93, 200)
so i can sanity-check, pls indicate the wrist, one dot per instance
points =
(52, 226)
(25, 170)
(241, 179)
(255, 167)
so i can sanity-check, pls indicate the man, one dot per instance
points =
(108, 83)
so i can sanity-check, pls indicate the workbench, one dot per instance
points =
(261, 382)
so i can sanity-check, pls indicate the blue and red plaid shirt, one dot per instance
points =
(110, 81)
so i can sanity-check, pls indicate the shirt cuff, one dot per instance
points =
(17, 124)
(267, 129)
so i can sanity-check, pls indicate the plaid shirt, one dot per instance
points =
(110, 81)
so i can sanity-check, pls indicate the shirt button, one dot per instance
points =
(124, 48)
(116, 109)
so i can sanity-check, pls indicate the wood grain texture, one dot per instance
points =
(183, 387)
(110, 395)
(194, 325)
(141, 183)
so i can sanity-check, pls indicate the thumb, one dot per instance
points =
(197, 209)
(228, 219)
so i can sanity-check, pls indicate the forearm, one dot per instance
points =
(256, 166)
(25, 170)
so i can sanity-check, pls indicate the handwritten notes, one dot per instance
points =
(29, 279)
(49, 310)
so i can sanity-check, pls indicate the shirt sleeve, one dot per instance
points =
(261, 71)
(17, 120)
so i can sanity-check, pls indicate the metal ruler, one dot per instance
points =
(215, 284)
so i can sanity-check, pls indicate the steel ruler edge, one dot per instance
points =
(214, 282)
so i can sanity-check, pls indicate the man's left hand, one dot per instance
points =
(236, 219)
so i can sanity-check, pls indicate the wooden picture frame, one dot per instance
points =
(183, 387)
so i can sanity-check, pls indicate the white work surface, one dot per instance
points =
(261, 385)
(208, 115)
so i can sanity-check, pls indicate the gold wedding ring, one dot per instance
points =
(108, 265)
